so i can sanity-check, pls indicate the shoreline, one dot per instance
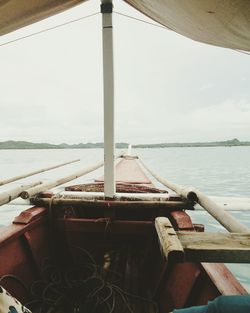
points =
(134, 147)
(16, 145)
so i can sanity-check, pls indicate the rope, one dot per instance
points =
(48, 29)
(51, 216)
(15, 278)
(90, 15)
(167, 28)
(83, 287)
(143, 21)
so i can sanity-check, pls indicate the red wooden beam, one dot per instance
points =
(105, 225)
(224, 280)
(29, 215)
(181, 221)
(36, 217)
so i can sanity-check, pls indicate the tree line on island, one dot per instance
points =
(11, 144)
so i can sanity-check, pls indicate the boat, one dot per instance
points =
(128, 245)
(120, 244)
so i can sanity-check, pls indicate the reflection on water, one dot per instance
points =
(219, 171)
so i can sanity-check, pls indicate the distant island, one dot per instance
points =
(11, 144)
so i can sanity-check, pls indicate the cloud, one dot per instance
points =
(206, 87)
(228, 112)
(167, 87)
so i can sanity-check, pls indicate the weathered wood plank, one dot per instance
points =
(224, 280)
(144, 205)
(169, 242)
(216, 247)
(104, 225)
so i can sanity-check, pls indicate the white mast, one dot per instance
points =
(108, 86)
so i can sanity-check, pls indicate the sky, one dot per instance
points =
(168, 88)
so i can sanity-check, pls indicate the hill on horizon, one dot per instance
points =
(12, 144)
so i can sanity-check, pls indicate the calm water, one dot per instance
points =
(220, 171)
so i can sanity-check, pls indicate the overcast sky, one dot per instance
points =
(167, 88)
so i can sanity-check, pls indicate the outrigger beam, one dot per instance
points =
(108, 87)
(193, 246)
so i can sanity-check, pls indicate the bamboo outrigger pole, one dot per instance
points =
(108, 90)
(8, 196)
(12, 179)
(29, 192)
(217, 211)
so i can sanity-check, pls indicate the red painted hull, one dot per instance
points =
(123, 231)
(31, 239)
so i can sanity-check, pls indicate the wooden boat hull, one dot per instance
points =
(35, 236)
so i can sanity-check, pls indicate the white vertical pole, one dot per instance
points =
(108, 86)
(129, 149)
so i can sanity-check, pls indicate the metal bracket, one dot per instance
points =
(107, 7)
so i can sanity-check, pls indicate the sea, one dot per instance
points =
(216, 171)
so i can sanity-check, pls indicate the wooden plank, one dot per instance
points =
(118, 196)
(177, 286)
(13, 231)
(30, 215)
(181, 221)
(105, 225)
(128, 171)
(169, 242)
(120, 188)
(223, 279)
(216, 247)
(144, 205)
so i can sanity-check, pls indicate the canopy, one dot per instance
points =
(224, 23)
(15, 14)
